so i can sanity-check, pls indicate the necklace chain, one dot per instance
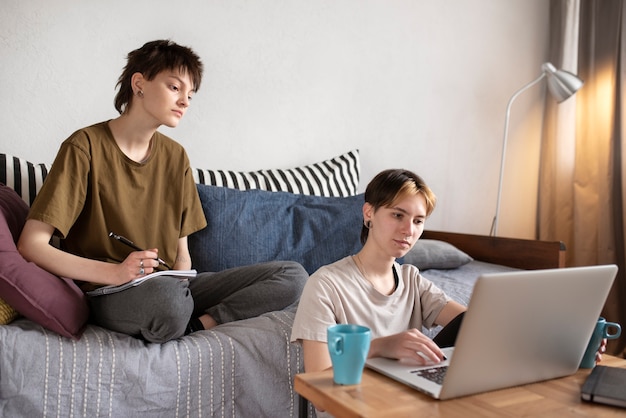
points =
(361, 266)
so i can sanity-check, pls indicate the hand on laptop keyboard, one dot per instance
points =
(410, 346)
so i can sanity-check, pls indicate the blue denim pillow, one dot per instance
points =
(248, 227)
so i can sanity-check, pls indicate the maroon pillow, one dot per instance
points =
(53, 302)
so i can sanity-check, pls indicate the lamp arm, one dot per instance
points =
(494, 225)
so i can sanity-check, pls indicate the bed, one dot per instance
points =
(490, 254)
(517, 253)
(240, 369)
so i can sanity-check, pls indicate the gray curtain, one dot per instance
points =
(581, 185)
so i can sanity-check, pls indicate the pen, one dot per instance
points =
(131, 244)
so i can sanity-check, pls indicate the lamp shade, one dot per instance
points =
(561, 84)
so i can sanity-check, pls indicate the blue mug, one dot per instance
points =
(348, 346)
(600, 332)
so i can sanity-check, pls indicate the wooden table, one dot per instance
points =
(379, 396)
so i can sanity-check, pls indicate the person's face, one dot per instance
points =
(167, 96)
(395, 229)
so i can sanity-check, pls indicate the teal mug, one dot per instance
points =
(601, 331)
(348, 346)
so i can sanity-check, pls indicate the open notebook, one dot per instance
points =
(107, 290)
(520, 327)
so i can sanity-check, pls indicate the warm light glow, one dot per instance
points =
(596, 112)
(603, 105)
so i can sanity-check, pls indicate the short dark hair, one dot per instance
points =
(388, 186)
(151, 59)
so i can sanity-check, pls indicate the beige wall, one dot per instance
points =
(418, 84)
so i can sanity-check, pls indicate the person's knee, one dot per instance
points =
(172, 308)
(296, 277)
(164, 330)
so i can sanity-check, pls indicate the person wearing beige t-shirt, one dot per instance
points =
(370, 288)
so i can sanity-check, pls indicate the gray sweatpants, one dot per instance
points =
(159, 310)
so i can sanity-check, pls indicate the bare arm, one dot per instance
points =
(316, 356)
(449, 312)
(34, 245)
(183, 258)
(404, 345)
(409, 344)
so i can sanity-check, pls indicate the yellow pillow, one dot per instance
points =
(7, 313)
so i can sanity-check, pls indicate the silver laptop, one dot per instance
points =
(520, 327)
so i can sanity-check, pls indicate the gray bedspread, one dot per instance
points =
(241, 369)
(459, 282)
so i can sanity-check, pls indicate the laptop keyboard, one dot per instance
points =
(434, 374)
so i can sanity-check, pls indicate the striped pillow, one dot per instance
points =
(336, 177)
(22, 176)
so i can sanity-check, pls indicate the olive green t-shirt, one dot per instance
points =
(93, 188)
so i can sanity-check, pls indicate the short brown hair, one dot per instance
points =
(388, 186)
(151, 59)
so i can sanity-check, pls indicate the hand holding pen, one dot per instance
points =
(132, 245)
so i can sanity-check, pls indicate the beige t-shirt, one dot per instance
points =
(93, 188)
(339, 294)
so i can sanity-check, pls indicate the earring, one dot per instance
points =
(368, 224)
(140, 93)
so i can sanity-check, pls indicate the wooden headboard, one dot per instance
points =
(513, 252)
